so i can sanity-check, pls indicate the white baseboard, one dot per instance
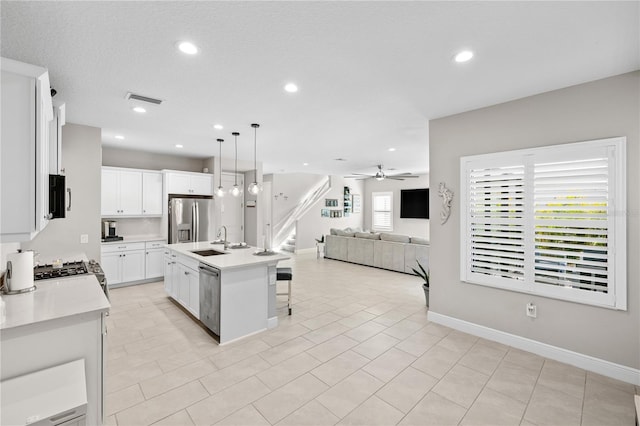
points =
(586, 362)
(306, 251)
(272, 323)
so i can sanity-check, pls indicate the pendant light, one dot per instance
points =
(220, 190)
(236, 191)
(253, 187)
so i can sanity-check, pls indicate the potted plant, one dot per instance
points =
(425, 277)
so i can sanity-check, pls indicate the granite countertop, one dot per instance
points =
(54, 299)
(233, 258)
(136, 239)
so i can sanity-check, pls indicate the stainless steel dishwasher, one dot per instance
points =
(210, 298)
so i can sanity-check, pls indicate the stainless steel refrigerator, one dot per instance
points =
(191, 219)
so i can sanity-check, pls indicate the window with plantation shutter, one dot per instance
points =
(549, 221)
(382, 206)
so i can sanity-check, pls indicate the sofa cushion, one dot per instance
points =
(367, 235)
(342, 233)
(419, 240)
(396, 238)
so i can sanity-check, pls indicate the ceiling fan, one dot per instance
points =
(381, 175)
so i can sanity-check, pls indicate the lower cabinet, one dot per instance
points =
(154, 263)
(123, 262)
(130, 262)
(182, 281)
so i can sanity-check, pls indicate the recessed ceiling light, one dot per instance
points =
(119, 137)
(391, 149)
(139, 109)
(178, 145)
(291, 88)
(188, 48)
(463, 56)
(305, 164)
(218, 126)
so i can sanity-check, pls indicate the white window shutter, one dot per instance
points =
(549, 221)
(496, 225)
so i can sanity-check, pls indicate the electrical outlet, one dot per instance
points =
(532, 310)
(84, 238)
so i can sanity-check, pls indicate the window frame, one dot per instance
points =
(614, 150)
(373, 210)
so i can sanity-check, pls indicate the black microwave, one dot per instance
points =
(56, 196)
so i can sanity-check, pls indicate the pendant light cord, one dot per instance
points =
(255, 152)
(220, 162)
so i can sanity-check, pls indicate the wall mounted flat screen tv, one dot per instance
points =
(414, 203)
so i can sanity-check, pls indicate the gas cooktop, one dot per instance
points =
(43, 272)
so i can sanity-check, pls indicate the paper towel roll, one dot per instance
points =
(21, 270)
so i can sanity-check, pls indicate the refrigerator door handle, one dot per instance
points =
(196, 209)
(193, 222)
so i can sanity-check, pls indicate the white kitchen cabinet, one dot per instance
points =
(123, 263)
(189, 289)
(55, 138)
(182, 281)
(169, 266)
(154, 263)
(189, 183)
(152, 193)
(110, 263)
(121, 192)
(24, 165)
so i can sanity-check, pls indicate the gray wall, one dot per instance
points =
(411, 227)
(600, 109)
(81, 158)
(117, 157)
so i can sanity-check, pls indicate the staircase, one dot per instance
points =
(284, 232)
(289, 244)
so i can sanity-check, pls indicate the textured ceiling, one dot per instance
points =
(371, 74)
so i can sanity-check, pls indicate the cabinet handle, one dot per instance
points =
(69, 206)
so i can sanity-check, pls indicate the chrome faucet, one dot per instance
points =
(224, 241)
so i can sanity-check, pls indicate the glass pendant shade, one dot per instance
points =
(236, 191)
(253, 189)
(220, 191)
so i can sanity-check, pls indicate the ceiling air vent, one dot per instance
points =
(133, 96)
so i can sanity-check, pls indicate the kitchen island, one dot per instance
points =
(60, 322)
(232, 291)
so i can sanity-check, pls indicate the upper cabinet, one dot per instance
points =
(188, 183)
(121, 192)
(152, 193)
(24, 165)
(131, 192)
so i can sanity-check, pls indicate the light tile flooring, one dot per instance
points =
(358, 350)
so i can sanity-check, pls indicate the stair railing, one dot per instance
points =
(284, 227)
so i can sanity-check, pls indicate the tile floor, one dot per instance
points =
(358, 350)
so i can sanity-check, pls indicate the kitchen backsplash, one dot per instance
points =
(139, 226)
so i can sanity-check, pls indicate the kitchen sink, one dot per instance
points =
(207, 252)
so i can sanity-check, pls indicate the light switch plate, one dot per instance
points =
(84, 238)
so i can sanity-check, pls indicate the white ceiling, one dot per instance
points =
(371, 74)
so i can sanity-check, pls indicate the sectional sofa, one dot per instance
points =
(381, 250)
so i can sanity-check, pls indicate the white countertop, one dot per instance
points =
(137, 239)
(54, 299)
(233, 258)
